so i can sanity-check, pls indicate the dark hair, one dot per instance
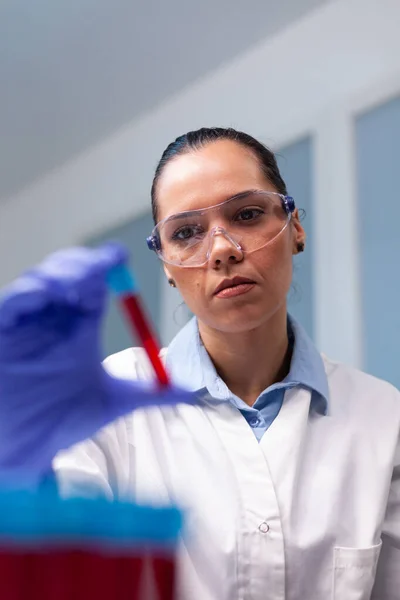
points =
(193, 140)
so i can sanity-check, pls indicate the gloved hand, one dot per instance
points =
(54, 391)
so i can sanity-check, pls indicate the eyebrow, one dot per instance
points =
(194, 211)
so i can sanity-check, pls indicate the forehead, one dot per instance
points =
(208, 176)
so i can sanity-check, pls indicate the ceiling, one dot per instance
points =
(74, 71)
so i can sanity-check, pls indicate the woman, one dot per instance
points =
(289, 466)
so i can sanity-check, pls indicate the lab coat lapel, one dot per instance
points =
(283, 443)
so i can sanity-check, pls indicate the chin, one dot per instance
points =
(240, 319)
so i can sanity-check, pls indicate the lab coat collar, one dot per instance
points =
(190, 366)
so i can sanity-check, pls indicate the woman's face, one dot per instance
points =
(203, 178)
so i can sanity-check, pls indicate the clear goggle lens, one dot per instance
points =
(250, 221)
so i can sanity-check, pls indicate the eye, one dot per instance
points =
(249, 214)
(186, 232)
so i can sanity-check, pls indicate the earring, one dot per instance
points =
(300, 247)
(171, 282)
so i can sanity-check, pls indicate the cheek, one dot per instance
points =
(274, 263)
(191, 284)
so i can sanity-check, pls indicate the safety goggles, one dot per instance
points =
(249, 221)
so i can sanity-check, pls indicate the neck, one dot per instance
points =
(250, 361)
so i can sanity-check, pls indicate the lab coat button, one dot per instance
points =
(264, 527)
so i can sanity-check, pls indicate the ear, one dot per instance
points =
(167, 273)
(299, 235)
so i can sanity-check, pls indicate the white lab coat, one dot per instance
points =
(309, 513)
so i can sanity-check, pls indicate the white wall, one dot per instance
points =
(310, 78)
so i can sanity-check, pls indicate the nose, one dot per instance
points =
(223, 248)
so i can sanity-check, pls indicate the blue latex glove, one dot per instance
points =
(54, 391)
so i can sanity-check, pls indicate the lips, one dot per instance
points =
(232, 283)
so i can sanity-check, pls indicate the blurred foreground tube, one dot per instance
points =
(78, 549)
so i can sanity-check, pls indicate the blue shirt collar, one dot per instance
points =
(191, 367)
(307, 367)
